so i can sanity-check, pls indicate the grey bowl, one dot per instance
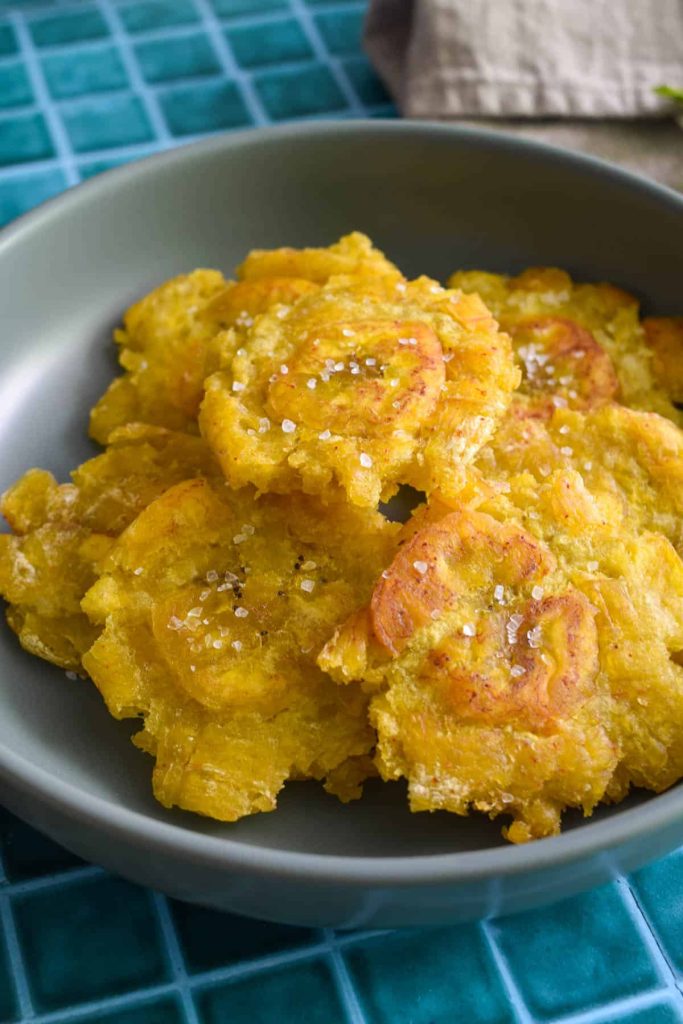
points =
(434, 198)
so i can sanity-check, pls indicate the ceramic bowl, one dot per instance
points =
(434, 198)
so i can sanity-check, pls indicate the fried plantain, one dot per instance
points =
(213, 605)
(523, 658)
(664, 335)
(366, 384)
(63, 531)
(578, 345)
(174, 336)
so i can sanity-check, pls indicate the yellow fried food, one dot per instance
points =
(630, 462)
(579, 345)
(213, 606)
(169, 339)
(522, 658)
(664, 335)
(365, 383)
(62, 531)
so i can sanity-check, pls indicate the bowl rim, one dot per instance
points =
(221, 852)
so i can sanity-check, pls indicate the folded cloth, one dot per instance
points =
(527, 58)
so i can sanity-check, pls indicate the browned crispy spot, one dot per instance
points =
(463, 552)
(664, 335)
(532, 669)
(562, 364)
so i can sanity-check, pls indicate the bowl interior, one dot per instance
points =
(434, 200)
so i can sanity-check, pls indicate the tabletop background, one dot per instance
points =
(86, 85)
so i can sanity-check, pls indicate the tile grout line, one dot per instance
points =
(16, 958)
(244, 83)
(175, 956)
(314, 37)
(58, 879)
(58, 133)
(126, 1000)
(515, 998)
(345, 986)
(609, 1013)
(119, 37)
(648, 937)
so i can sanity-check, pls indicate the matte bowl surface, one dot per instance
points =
(434, 198)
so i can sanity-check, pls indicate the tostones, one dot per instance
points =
(213, 605)
(63, 531)
(174, 336)
(664, 335)
(578, 345)
(365, 384)
(522, 658)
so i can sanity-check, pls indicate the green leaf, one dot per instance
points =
(670, 93)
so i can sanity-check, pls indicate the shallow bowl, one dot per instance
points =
(434, 198)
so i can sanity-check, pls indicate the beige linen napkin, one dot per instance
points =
(546, 60)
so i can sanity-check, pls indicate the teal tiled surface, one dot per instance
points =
(86, 85)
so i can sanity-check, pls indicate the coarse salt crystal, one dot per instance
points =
(370, 361)
(393, 382)
(236, 645)
(288, 426)
(237, 386)
(284, 369)
(365, 460)
(559, 402)
(592, 566)
(534, 637)
(307, 585)
(311, 383)
(241, 613)
(566, 450)
(421, 567)
(325, 436)
(537, 593)
(139, 571)
(194, 613)
(263, 425)
(309, 565)
(347, 332)
(516, 671)
(211, 576)
(72, 675)
(499, 592)
(469, 630)
(175, 623)
(217, 644)
(339, 366)
(204, 594)
(544, 470)
(588, 466)
(564, 429)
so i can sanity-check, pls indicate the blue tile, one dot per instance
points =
(15, 88)
(25, 852)
(235, 8)
(180, 57)
(155, 14)
(101, 124)
(311, 90)
(89, 168)
(8, 40)
(88, 940)
(341, 30)
(24, 138)
(60, 29)
(8, 999)
(365, 81)
(210, 939)
(18, 195)
(302, 993)
(206, 108)
(662, 1014)
(659, 890)
(160, 1011)
(428, 977)
(580, 953)
(96, 69)
(269, 43)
